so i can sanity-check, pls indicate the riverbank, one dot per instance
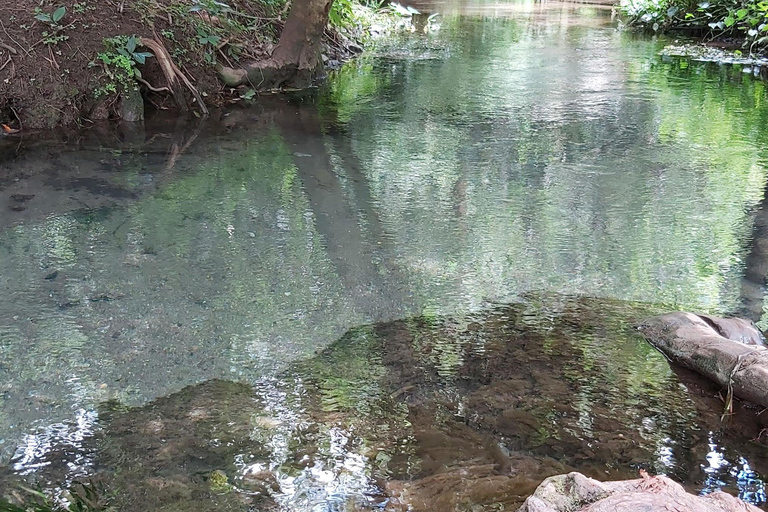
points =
(735, 30)
(74, 61)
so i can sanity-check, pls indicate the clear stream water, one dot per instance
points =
(413, 288)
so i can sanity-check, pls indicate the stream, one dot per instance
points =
(412, 289)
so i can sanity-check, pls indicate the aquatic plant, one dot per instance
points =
(80, 497)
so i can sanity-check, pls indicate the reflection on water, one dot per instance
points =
(751, 487)
(377, 422)
(517, 149)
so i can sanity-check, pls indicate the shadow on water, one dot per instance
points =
(432, 413)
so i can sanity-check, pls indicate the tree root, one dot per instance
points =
(151, 87)
(8, 47)
(265, 75)
(174, 76)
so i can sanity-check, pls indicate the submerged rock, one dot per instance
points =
(575, 492)
(429, 414)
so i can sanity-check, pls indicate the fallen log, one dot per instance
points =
(702, 344)
(575, 492)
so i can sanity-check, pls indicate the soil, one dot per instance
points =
(46, 84)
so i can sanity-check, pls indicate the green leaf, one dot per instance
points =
(688, 15)
(140, 58)
(43, 17)
(672, 11)
(131, 44)
(741, 13)
(729, 21)
(59, 13)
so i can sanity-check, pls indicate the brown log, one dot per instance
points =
(693, 342)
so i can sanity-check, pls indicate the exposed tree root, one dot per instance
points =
(260, 75)
(8, 47)
(151, 87)
(174, 75)
(269, 74)
(296, 60)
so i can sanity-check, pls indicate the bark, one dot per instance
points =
(296, 61)
(698, 344)
(575, 492)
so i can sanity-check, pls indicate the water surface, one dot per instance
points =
(521, 148)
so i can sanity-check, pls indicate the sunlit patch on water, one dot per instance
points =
(718, 468)
(59, 443)
(430, 413)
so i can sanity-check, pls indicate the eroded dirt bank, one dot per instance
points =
(67, 62)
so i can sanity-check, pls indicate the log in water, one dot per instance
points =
(736, 362)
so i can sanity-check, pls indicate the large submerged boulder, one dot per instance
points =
(575, 492)
(728, 351)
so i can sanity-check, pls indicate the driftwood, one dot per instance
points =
(575, 492)
(727, 351)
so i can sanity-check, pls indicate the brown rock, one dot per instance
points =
(575, 492)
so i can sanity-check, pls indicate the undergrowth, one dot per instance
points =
(746, 20)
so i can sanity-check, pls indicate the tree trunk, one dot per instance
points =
(296, 61)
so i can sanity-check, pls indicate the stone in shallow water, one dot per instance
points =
(575, 492)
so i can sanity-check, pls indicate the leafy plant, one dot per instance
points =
(204, 37)
(341, 14)
(128, 50)
(747, 19)
(212, 7)
(120, 61)
(54, 34)
(51, 19)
